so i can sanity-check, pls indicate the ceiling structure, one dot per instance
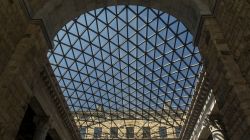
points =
(126, 63)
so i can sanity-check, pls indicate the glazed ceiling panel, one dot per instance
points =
(126, 63)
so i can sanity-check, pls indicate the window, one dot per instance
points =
(114, 132)
(130, 132)
(163, 132)
(146, 132)
(97, 132)
(83, 132)
(177, 131)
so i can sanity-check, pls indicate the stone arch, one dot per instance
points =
(56, 13)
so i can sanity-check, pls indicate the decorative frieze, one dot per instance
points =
(58, 100)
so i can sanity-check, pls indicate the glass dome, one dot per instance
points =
(126, 63)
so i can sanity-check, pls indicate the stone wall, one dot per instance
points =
(23, 50)
(230, 87)
(234, 19)
(228, 42)
(12, 105)
(224, 44)
(14, 23)
(136, 124)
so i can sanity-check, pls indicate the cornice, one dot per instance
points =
(200, 96)
(56, 95)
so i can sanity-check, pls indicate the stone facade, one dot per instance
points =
(137, 124)
(223, 36)
(223, 43)
(229, 86)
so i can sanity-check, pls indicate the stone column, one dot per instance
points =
(215, 127)
(42, 127)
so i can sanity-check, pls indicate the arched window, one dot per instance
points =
(121, 63)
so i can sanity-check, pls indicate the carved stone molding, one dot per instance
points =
(200, 96)
(58, 99)
(207, 110)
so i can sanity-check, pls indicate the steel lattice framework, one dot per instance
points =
(126, 63)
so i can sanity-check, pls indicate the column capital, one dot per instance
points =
(212, 121)
(43, 124)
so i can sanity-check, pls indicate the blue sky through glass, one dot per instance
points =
(129, 59)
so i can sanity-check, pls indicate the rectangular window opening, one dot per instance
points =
(130, 132)
(97, 132)
(177, 131)
(114, 132)
(83, 132)
(146, 132)
(163, 132)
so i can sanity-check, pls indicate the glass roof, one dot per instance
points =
(126, 63)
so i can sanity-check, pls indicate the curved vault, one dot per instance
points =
(126, 63)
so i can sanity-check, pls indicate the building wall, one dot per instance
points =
(224, 44)
(23, 50)
(136, 124)
(229, 31)
(225, 78)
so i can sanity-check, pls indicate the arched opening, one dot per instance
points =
(126, 65)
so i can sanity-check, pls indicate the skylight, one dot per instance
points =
(126, 63)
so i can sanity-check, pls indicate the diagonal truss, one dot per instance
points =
(126, 63)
